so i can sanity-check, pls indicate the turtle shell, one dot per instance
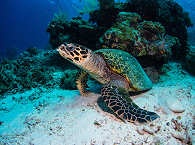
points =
(126, 65)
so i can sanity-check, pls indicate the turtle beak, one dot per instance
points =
(63, 51)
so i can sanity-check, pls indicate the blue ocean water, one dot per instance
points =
(24, 23)
(39, 99)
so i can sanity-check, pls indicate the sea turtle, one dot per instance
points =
(118, 71)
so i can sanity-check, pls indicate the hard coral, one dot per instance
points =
(169, 14)
(68, 79)
(106, 4)
(76, 30)
(26, 72)
(140, 38)
(190, 60)
(57, 27)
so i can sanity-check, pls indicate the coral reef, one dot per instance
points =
(68, 80)
(23, 73)
(140, 38)
(85, 6)
(11, 54)
(32, 51)
(106, 4)
(76, 30)
(151, 30)
(190, 60)
(33, 68)
(167, 12)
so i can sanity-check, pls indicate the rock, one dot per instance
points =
(175, 105)
(190, 60)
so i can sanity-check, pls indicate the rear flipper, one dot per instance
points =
(119, 102)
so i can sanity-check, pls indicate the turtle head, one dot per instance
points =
(75, 53)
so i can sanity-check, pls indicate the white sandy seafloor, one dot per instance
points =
(61, 117)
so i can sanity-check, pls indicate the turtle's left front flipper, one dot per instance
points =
(118, 100)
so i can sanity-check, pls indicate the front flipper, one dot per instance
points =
(118, 101)
(82, 83)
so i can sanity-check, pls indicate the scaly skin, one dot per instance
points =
(116, 83)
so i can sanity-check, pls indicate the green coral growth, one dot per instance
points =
(76, 30)
(140, 38)
(68, 80)
(26, 72)
(36, 68)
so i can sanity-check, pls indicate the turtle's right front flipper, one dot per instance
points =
(118, 101)
(82, 83)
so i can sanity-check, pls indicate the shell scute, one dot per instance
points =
(126, 65)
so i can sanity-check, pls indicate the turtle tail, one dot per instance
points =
(120, 103)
